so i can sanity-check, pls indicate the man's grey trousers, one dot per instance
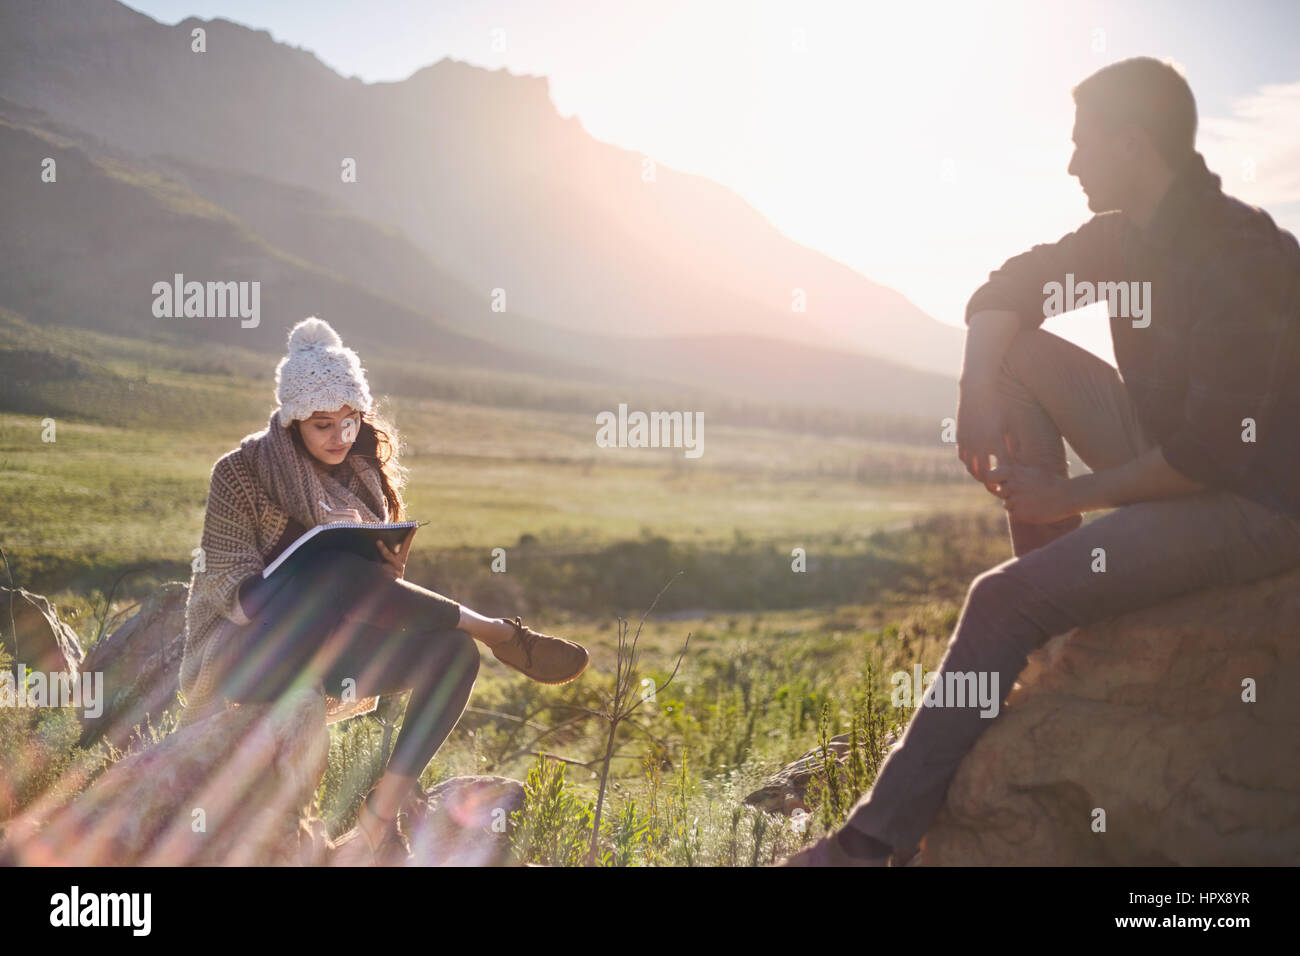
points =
(1152, 551)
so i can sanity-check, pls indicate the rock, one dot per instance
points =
(250, 770)
(787, 789)
(44, 641)
(466, 822)
(1142, 716)
(140, 662)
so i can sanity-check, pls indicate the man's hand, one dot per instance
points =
(981, 433)
(395, 561)
(1148, 477)
(981, 426)
(1035, 496)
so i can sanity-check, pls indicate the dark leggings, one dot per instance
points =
(338, 616)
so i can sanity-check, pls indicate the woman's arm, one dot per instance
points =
(229, 545)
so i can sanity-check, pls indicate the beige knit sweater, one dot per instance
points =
(253, 490)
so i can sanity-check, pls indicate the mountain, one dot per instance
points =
(475, 167)
(310, 226)
(87, 249)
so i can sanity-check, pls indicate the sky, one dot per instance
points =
(921, 144)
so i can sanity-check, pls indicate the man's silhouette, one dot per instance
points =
(1193, 441)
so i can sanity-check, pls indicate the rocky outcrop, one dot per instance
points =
(140, 662)
(234, 789)
(1147, 718)
(466, 822)
(43, 641)
(231, 789)
(228, 790)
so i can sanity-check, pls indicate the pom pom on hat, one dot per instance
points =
(319, 374)
(313, 333)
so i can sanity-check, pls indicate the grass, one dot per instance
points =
(749, 697)
(892, 532)
(109, 496)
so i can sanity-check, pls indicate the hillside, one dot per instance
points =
(87, 249)
(475, 166)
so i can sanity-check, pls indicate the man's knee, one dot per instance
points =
(993, 594)
(997, 583)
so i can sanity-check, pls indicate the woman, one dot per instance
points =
(351, 625)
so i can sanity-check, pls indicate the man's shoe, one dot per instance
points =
(832, 851)
(547, 660)
(828, 852)
(910, 857)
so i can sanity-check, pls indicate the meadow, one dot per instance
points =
(891, 531)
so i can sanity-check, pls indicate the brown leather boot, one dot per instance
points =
(391, 848)
(547, 660)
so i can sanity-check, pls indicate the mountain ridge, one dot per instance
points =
(485, 176)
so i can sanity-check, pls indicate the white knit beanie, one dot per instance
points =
(318, 374)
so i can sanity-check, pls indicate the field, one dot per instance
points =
(892, 530)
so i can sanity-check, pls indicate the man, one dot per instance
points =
(1196, 447)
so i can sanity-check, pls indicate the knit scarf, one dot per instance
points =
(299, 486)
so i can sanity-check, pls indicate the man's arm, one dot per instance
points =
(1237, 349)
(988, 336)
(980, 426)
(1145, 478)
(1090, 253)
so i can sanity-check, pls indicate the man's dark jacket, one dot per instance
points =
(1221, 348)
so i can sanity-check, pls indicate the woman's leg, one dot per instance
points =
(284, 641)
(489, 630)
(405, 602)
(551, 660)
(339, 617)
(439, 668)
(387, 642)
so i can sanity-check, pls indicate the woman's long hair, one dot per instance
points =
(377, 439)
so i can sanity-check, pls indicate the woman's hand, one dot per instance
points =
(1035, 496)
(395, 561)
(342, 514)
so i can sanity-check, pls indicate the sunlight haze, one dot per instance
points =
(921, 173)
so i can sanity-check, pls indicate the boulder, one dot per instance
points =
(228, 790)
(466, 822)
(44, 641)
(1143, 717)
(140, 662)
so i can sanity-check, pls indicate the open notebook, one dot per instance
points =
(357, 537)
